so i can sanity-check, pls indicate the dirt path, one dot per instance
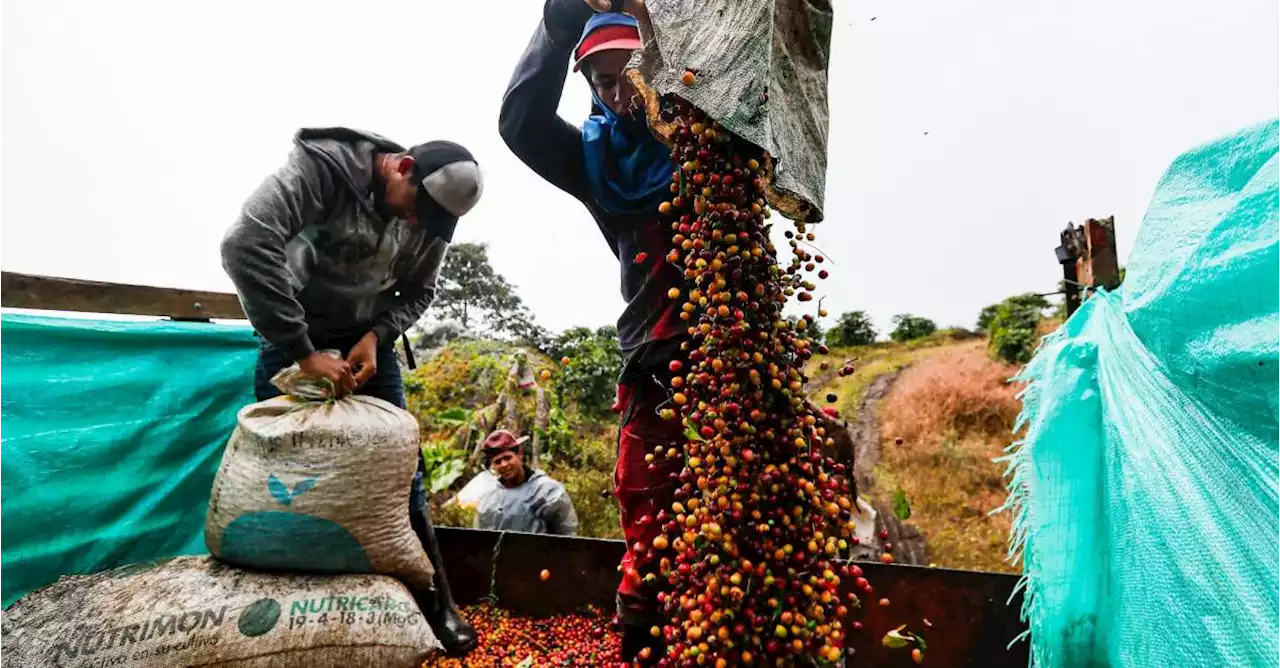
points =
(866, 430)
(909, 545)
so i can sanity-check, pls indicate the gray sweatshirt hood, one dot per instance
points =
(348, 154)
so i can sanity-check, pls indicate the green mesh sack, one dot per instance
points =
(1145, 488)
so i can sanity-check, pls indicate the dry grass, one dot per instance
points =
(1048, 326)
(868, 362)
(953, 411)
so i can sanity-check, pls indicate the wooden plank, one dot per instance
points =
(1088, 258)
(1069, 253)
(48, 293)
(1099, 267)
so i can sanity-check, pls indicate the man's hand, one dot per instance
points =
(363, 359)
(635, 8)
(337, 371)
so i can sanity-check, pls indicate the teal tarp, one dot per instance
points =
(1146, 487)
(112, 434)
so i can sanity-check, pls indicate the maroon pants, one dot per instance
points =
(642, 489)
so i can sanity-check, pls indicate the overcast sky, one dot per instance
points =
(132, 132)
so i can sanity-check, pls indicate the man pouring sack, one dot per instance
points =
(340, 249)
(620, 172)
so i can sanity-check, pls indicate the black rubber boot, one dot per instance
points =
(455, 633)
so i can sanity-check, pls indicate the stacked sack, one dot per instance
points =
(308, 484)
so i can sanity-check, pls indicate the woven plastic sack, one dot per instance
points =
(761, 72)
(310, 483)
(1146, 485)
(194, 611)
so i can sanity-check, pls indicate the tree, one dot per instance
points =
(985, 317)
(471, 293)
(1012, 329)
(590, 379)
(479, 298)
(1028, 300)
(852, 329)
(907, 327)
(526, 332)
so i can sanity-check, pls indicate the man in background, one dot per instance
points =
(517, 497)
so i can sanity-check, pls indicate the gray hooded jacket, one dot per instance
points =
(540, 505)
(315, 260)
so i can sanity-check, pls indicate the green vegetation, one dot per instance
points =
(1012, 327)
(455, 394)
(590, 378)
(852, 329)
(907, 327)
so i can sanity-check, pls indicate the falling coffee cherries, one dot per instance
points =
(755, 546)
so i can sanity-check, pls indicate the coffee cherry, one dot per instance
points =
(750, 548)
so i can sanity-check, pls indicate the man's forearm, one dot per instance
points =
(528, 121)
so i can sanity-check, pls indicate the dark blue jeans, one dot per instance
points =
(386, 385)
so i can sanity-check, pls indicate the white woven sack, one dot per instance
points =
(319, 485)
(194, 611)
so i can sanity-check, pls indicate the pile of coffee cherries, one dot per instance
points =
(752, 552)
(581, 639)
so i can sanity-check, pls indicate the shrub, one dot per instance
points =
(451, 514)
(590, 379)
(591, 491)
(985, 317)
(907, 327)
(460, 374)
(953, 392)
(1013, 329)
(852, 329)
(443, 466)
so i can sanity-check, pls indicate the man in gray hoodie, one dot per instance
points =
(340, 248)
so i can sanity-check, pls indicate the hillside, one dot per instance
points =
(927, 418)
